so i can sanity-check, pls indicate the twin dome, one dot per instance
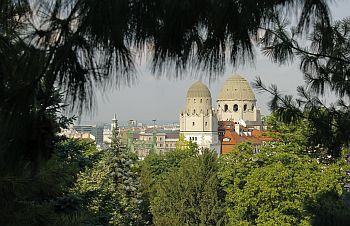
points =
(235, 88)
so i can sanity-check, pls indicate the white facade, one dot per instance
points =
(237, 102)
(199, 123)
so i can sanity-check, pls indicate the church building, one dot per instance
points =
(236, 117)
(199, 122)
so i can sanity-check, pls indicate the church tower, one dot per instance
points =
(198, 123)
(237, 103)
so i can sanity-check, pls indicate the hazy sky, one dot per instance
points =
(164, 98)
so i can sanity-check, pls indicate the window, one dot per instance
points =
(195, 138)
(207, 101)
(245, 107)
(160, 145)
(192, 123)
(207, 112)
(194, 111)
(194, 100)
(226, 107)
(160, 138)
(200, 101)
(235, 107)
(206, 123)
(252, 107)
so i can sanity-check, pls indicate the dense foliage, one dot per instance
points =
(112, 186)
(45, 198)
(282, 186)
(325, 65)
(190, 195)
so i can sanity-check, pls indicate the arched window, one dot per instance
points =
(235, 107)
(245, 107)
(200, 101)
(206, 123)
(207, 112)
(226, 107)
(252, 107)
(194, 100)
(192, 123)
(194, 111)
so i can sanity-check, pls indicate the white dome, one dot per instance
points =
(236, 88)
(198, 99)
(198, 89)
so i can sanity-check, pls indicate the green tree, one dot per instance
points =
(113, 185)
(190, 194)
(283, 186)
(45, 198)
(156, 167)
(325, 65)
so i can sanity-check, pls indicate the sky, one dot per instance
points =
(163, 98)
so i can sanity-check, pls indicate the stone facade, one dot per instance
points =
(236, 104)
(199, 123)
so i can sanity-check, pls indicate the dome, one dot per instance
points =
(198, 89)
(236, 88)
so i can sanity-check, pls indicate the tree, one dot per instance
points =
(155, 168)
(190, 194)
(45, 199)
(283, 186)
(185, 145)
(325, 65)
(112, 186)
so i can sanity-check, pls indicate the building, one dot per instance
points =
(71, 133)
(94, 130)
(108, 132)
(199, 122)
(143, 140)
(236, 117)
(237, 102)
(165, 141)
(232, 133)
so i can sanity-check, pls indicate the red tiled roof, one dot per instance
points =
(256, 138)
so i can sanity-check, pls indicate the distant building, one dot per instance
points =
(165, 140)
(236, 117)
(199, 122)
(231, 134)
(143, 140)
(71, 133)
(107, 133)
(237, 103)
(94, 130)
